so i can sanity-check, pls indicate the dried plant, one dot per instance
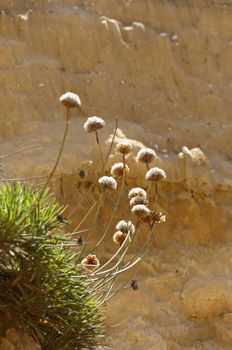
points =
(146, 156)
(53, 285)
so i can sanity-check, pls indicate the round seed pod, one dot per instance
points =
(137, 191)
(124, 147)
(107, 183)
(70, 100)
(93, 124)
(90, 262)
(119, 237)
(140, 210)
(125, 226)
(155, 174)
(118, 169)
(138, 200)
(146, 155)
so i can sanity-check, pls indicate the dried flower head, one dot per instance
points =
(140, 210)
(154, 217)
(107, 182)
(137, 191)
(118, 169)
(70, 100)
(93, 124)
(138, 200)
(125, 226)
(159, 218)
(146, 155)
(155, 174)
(90, 262)
(124, 147)
(119, 237)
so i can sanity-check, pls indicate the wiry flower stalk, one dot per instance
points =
(109, 275)
(69, 100)
(113, 215)
(134, 261)
(59, 153)
(156, 175)
(146, 156)
(94, 124)
(100, 202)
(100, 149)
(95, 182)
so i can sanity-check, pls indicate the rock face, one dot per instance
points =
(16, 341)
(163, 68)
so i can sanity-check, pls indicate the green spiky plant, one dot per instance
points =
(39, 291)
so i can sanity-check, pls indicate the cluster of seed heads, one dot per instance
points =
(137, 196)
(124, 229)
(154, 217)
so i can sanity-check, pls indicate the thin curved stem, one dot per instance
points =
(114, 256)
(111, 144)
(118, 262)
(52, 172)
(93, 225)
(100, 149)
(85, 216)
(59, 154)
(128, 266)
(156, 195)
(95, 182)
(113, 215)
(19, 151)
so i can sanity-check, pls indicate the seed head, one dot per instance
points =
(154, 217)
(90, 262)
(119, 237)
(138, 200)
(159, 218)
(107, 182)
(140, 210)
(146, 155)
(125, 226)
(93, 124)
(70, 100)
(155, 174)
(118, 169)
(124, 147)
(137, 191)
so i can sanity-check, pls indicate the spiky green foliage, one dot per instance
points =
(43, 290)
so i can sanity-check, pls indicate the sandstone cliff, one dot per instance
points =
(163, 68)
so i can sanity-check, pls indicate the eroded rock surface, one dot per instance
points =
(164, 70)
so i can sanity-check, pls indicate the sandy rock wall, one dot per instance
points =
(163, 68)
